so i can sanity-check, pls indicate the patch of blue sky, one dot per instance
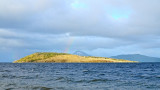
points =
(118, 13)
(78, 4)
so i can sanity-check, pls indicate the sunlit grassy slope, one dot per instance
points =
(49, 57)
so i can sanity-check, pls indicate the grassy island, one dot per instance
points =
(51, 57)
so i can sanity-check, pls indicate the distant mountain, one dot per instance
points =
(81, 53)
(137, 57)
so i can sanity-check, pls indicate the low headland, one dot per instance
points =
(52, 57)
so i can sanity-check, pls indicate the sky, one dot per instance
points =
(98, 27)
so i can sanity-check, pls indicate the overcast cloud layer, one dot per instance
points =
(98, 27)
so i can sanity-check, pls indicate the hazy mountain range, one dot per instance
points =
(137, 57)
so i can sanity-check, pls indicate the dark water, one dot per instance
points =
(65, 76)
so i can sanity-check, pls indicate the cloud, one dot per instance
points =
(97, 18)
(49, 25)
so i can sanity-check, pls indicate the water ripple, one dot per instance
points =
(65, 76)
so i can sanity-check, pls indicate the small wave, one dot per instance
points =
(155, 87)
(9, 88)
(64, 79)
(158, 76)
(93, 80)
(148, 69)
(7, 76)
(60, 78)
(102, 74)
(85, 70)
(81, 81)
(42, 88)
(144, 76)
(99, 80)
(5, 71)
(89, 71)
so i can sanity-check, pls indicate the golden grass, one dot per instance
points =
(67, 58)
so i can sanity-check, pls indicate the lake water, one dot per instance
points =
(80, 76)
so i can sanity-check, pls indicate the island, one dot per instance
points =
(52, 57)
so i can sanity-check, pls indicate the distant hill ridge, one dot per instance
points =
(137, 57)
(81, 53)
